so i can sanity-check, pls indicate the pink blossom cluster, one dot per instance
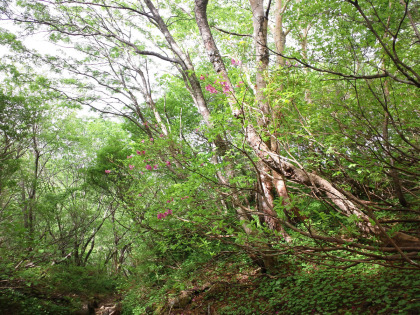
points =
(149, 167)
(211, 89)
(226, 88)
(140, 152)
(186, 197)
(236, 62)
(202, 77)
(107, 171)
(163, 215)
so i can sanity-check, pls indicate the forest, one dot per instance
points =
(209, 157)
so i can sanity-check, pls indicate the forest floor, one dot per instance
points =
(225, 288)
(233, 289)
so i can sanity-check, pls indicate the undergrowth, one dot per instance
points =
(229, 286)
(51, 290)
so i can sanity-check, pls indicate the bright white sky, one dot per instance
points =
(41, 44)
(38, 41)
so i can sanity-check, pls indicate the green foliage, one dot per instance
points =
(15, 302)
(83, 281)
(328, 291)
(311, 289)
(52, 290)
(169, 200)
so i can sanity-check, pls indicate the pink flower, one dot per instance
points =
(160, 216)
(141, 173)
(131, 166)
(143, 152)
(129, 156)
(169, 211)
(226, 89)
(140, 195)
(149, 160)
(168, 201)
(236, 62)
(138, 152)
(168, 163)
(202, 164)
(211, 89)
(196, 130)
(107, 171)
(151, 139)
(202, 77)
(148, 167)
(142, 141)
(161, 135)
(155, 166)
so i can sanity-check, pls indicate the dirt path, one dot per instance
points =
(108, 307)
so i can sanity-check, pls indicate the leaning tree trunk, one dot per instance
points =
(345, 202)
(187, 69)
(266, 198)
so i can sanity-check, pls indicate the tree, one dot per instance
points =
(309, 122)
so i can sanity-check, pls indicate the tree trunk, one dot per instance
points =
(279, 33)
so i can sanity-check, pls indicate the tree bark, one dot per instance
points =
(279, 32)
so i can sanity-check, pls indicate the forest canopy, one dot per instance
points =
(276, 140)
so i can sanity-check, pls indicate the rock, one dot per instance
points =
(109, 309)
(181, 301)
